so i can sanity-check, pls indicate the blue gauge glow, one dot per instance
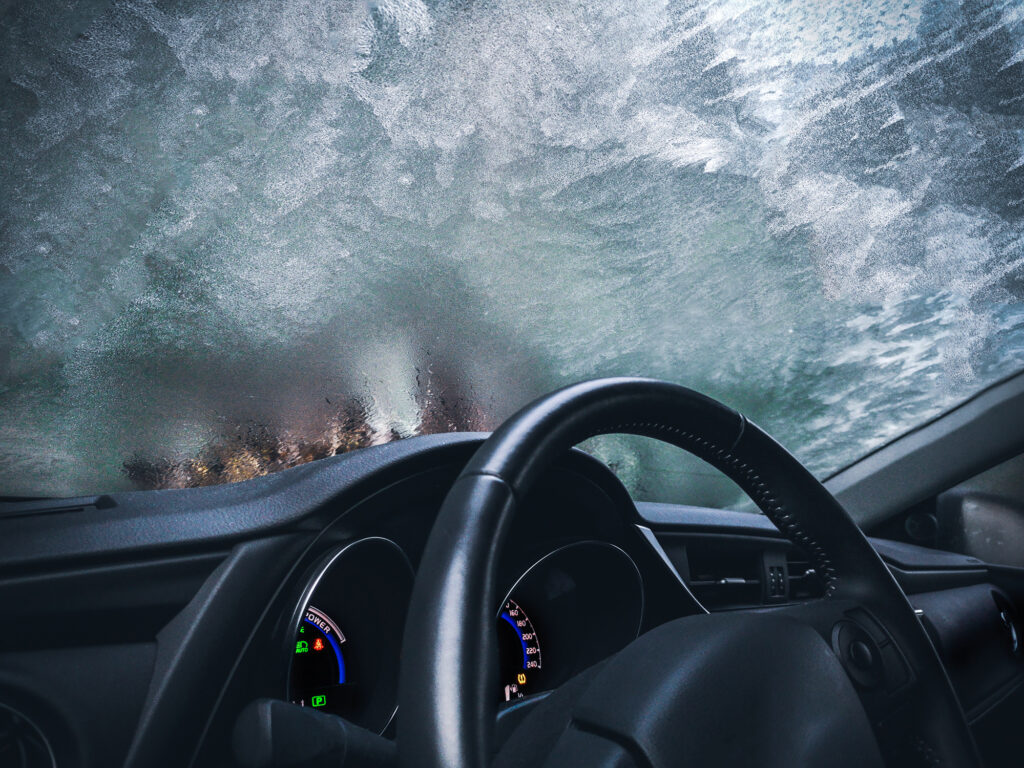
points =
(519, 649)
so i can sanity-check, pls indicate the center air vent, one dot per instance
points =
(727, 572)
(724, 574)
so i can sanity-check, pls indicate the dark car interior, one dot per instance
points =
(464, 599)
(468, 384)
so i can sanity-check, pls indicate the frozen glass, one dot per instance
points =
(238, 236)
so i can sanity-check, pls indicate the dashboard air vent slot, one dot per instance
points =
(723, 575)
(804, 582)
(728, 572)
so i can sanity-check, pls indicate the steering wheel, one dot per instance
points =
(839, 681)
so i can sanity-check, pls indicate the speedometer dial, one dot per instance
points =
(585, 600)
(519, 647)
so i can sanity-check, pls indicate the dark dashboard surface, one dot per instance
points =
(138, 625)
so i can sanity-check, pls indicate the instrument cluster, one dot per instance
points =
(573, 607)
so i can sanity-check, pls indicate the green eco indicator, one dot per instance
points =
(318, 701)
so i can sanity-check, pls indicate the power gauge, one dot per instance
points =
(344, 644)
(318, 666)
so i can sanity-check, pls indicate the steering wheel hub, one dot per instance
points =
(729, 689)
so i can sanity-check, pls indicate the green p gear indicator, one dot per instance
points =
(318, 701)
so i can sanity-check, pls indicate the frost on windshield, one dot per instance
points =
(238, 236)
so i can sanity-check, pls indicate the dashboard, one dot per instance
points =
(176, 609)
(578, 583)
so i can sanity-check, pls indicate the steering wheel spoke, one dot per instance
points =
(894, 698)
(867, 651)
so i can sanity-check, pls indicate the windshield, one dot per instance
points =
(239, 236)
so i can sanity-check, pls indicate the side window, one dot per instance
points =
(984, 516)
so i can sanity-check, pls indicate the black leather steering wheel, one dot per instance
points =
(836, 681)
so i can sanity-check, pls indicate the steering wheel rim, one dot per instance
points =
(447, 678)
